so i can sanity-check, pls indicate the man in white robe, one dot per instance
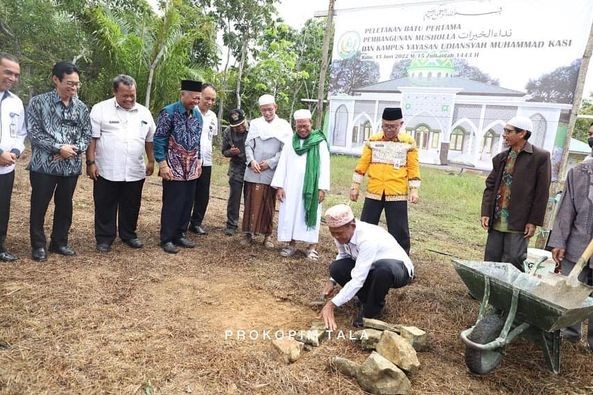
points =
(302, 179)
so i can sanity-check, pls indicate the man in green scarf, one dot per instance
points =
(301, 180)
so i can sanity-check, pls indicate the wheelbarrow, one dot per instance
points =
(536, 307)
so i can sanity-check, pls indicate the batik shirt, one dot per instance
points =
(51, 124)
(503, 198)
(177, 140)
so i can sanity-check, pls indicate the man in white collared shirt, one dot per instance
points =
(122, 132)
(12, 138)
(369, 263)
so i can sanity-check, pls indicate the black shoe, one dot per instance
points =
(197, 229)
(169, 248)
(65, 250)
(6, 256)
(230, 231)
(103, 247)
(134, 243)
(39, 254)
(184, 242)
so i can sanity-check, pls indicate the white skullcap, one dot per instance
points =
(302, 114)
(521, 123)
(338, 215)
(266, 99)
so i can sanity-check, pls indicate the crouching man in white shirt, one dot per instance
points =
(369, 263)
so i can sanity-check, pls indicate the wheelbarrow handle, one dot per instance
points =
(581, 263)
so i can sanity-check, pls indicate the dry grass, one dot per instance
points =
(134, 322)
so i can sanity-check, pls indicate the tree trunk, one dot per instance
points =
(240, 74)
(151, 76)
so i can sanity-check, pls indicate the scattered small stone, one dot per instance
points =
(380, 325)
(415, 336)
(378, 375)
(345, 366)
(308, 347)
(399, 351)
(368, 338)
(319, 325)
(312, 336)
(289, 349)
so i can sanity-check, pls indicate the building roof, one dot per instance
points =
(578, 146)
(467, 87)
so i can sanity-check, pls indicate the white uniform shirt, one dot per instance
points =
(121, 135)
(209, 130)
(369, 244)
(13, 130)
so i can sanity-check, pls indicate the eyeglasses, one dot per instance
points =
(508, 131)
(390, 127)
(73, 84)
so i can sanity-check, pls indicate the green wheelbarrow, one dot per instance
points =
(521, 304)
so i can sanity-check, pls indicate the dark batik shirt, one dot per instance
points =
(503, 198)
(51, 124)
(237, 163)
(177, 140)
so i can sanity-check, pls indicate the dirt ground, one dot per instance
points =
(143, 322)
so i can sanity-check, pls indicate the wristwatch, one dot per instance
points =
(90, 162)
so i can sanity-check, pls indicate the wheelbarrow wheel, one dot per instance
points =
(485, 331)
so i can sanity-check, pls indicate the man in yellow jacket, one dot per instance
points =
(391, 160)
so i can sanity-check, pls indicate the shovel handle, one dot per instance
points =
(581, 263)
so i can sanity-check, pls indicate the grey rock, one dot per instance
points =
(312, 337)
(415, 336)
(399, 351)
(377, 375)
(345, 366)
(368, 338)
(380, 325)
(288, 349)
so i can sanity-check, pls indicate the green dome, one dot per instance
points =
(433, 67)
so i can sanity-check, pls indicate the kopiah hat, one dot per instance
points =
(302, 114)
(191, 86)
(236, 117)
(392, 113)
(266, 99)
(521, 123)
(338, 215)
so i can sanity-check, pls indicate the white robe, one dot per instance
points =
(290, 175)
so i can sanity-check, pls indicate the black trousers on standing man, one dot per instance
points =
(178, 197)
(396, 214)
(116, 201)
(6, 184)
(202, 196)
(43, 188)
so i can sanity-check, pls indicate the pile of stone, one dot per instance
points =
(393, 357)
(290, 347)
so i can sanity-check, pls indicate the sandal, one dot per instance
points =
(312, 255)
(268, 242)
(288, 251)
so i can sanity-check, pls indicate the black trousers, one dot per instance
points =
(384, 274)
(6, 184)
(202, 196)
(178, 197)
(116, 201)
(396, 215)
(234, 203)
(43, 187)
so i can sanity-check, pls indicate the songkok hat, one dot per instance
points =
(191, 86)
(338, 215)
(302, 114)
(266, 99)
(236, 117)
(521, 123)
(392, 113)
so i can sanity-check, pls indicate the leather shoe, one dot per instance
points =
(6, 256)
(197, 229)
(184, 242)
(134, 243)
(39, 254)
(65, 250)
(230, 231)
(169, 248)
(103, 247)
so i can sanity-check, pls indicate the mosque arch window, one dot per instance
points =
(457, 139)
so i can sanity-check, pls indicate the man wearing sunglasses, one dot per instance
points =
(59, 128)
(516, 194)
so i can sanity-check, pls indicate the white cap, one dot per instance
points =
(266, 99)
(521, 123)
(338, 215)
(302, 114)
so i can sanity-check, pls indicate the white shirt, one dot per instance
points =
(368, 244)
(279, 129)
(13, 129)
(209, 130)
(121, 137)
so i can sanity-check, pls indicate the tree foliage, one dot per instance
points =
(557, 86)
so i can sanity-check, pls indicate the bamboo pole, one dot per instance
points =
(329, 31)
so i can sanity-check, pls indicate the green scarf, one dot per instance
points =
(310, 186)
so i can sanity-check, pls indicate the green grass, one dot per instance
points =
(446, 218)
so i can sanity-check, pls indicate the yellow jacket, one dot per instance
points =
(392, 167)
